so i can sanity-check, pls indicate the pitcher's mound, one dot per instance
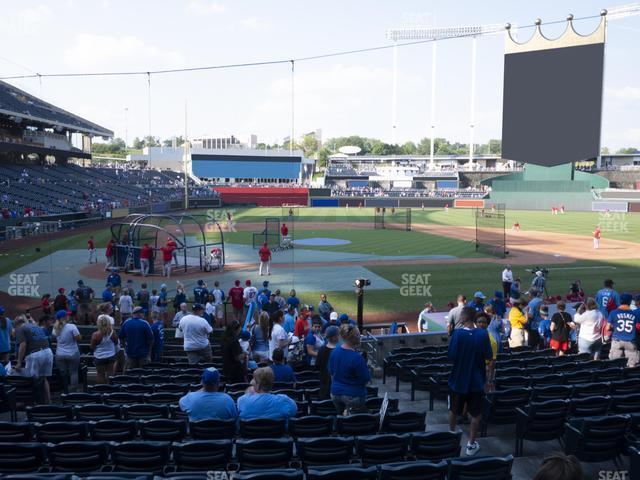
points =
(321, 242)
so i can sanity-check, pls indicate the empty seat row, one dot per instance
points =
(87, 456)
(495, 468)
(106, 424)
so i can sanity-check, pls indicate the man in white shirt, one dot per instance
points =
(125, 304)
(507, 280)
(179, 315)
(423, 318)
(195, 333)
(250, 294)
(453, 318)
(218, 301)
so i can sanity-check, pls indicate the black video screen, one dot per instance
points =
(552, 105)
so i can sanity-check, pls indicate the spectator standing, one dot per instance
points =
(200, 293)
(163, 304)
(250, 295)
(290, 320)
(179, 298)
(514, 292)
(84, 297)
(273, 306)
(332, 335)
(157, 328)
(517, 321)
(60, 302)
(260, 338)
(469, 349)
(208, 403)
(179, 315)
(34, 357)
(218, 302)
(507, 280)
(233, 358)
(349, 373)
(302, 327)
(115, 280)
(478, 302)
(590, 320)
(533, 320)
(498, 304)
(236, 294)
(143, 297)
(293, 300)
(482, 322)
(281, 371)
(265, 259)
(280, 299)
(136, 338)
(453, 318)
(544, 327)
(278, 337)
(324, 308)
(125, 303)
(561, 324)
(67, 357)
(195, 332)
(423, 318)
(259, 402)
(623, 324)
(6, 332)
(607, 298)
(313, 341)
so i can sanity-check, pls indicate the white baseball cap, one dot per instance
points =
(333, 316)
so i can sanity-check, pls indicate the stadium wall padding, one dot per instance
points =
(319, 192)
(634, 207)
(325, 202)
(468, 203)
(381, 202)
(427, 202)
(603, 206)
(264, 197)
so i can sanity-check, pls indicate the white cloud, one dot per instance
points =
(91, 51)
(255, 23)
(205, 7)
(28, 20)
(623, 93)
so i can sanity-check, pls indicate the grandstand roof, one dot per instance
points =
(22, 105)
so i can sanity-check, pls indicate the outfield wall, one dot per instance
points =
(264, 197)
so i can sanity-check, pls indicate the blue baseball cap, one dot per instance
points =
(265, 283)
(498, 294)
(479, 294)
(245, 335)
(138, 310)
(211, 376)
(332, 331)
(61, 314)
(200, 282)
(1, 309)
(344, 318)
(625, 299)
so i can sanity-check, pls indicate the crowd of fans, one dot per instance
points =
(337, 191)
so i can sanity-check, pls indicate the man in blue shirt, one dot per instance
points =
(605, 296)
(624, 324)
(478, 302)
(498, 304)
(200, 293)
(115, 280)
(533, 316)
(289, 320)
(136, 337)
(469, 349)
(208, 403)
(265, 289)
(281, 371)
(107, 294)
(259, 402)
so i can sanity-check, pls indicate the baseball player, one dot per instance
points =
(171, 243)
(91, 248)
(597, 233)
(110, 253)
(284, 232)
(265, 258)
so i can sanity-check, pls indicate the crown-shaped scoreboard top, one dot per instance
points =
(569, 38)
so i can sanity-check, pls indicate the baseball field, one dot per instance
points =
(334, 246)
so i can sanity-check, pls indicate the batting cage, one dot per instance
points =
(490, 230)
(290, 211)
(269, 235)
(392, 218)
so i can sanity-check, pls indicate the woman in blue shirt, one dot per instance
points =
(5, 336)
(349, 373)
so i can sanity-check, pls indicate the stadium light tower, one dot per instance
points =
(435, 34)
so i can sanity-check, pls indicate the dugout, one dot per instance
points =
(195, 236)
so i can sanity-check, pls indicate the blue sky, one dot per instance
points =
(341, 95)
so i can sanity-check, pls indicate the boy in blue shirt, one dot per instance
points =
(624, 324)
(157, 327)
(208, 403)
(544, 327)
(281, 371)
(606, 297)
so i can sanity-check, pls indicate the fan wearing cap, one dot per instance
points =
(623, 326)
(208, 403)
(84, 297)
(200, 292)
(333, 322)
(67, 357)
(478, 302)
(498, 304)
(332, 337)
(265, 289)
(195, 333)
(302, 327)
(6, 327)
(236, 294)
(136, 338)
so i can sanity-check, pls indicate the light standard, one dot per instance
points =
(360, 283)
(435, 34)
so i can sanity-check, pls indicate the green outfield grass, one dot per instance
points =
(376, 242)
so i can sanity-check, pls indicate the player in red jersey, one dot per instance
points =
(91, 248)
(265, 258)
